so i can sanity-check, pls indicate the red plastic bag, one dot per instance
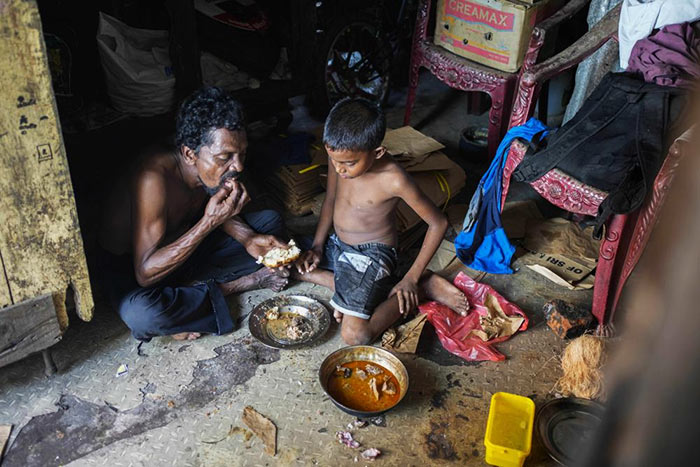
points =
(453, 329)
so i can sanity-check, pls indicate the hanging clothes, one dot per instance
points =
(669, 57)
(602, 61)
(639, 17)
(483, 244)
(617, 142)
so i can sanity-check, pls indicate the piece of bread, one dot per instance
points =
(280, 256)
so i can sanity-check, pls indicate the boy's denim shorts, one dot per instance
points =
(363, 275)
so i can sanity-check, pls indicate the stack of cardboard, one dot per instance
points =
(295, 186)
(436, 175)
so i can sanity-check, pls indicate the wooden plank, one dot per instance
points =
(40, 240)
(5, 431)
(5, 296)
(27, 327)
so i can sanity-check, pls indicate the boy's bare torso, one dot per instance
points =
(364, 210)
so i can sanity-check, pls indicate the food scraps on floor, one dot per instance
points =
(405, 338)
(122, 370)
(345, 437)
(371, 454)
(263, 428)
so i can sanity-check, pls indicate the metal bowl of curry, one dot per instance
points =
(363, 380)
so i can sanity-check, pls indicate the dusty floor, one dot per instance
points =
(180, 402)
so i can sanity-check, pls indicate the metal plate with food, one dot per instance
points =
(289, 321)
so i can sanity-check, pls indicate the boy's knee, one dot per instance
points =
(356, 336)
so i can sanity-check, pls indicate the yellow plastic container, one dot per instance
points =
(509, 430)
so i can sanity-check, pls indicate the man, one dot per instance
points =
(173, 241)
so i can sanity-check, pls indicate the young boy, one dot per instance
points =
(364, 186)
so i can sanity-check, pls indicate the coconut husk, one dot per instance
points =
(582, 363)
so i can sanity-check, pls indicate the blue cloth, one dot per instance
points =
(483, 244)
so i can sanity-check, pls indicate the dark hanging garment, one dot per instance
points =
(616, 142)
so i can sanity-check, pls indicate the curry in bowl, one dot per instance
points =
(364, 380)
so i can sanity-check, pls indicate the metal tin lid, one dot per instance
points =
(565, 427)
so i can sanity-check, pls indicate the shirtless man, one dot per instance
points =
(364, 186)
(173, 243)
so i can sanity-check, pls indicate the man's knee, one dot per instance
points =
(142, 311)
(267, 221)
(356, 335)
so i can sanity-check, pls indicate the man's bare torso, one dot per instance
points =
(184, 204)
(364, 210)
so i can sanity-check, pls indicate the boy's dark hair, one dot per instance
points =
(206, 110)
(354, 124)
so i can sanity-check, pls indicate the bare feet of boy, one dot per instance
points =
(440, 290)
(190, 336)
(338, 316)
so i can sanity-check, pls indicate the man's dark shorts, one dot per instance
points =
(363, 275)
(188, 300)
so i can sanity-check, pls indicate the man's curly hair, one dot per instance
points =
(205, 111)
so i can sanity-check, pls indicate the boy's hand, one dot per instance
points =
(407, 293)
(309, 260)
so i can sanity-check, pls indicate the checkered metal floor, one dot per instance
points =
(441, 420)
(181, 402)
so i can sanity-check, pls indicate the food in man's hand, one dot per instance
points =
(277, 257)
(273, 313)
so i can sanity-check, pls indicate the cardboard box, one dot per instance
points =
(438, 183)
(493, 32)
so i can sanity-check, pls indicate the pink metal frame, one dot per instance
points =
(466, 75)
(625, 235)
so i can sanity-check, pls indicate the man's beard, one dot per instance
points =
(227, 176)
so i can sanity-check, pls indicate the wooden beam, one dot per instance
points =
(5, 295)
(5, 431)
(40, 241)
(27, 327)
